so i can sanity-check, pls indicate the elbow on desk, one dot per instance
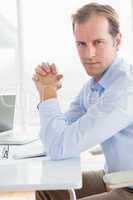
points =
(55, 153)
(59, 146)
(59, 151)
(53, 149)
(56, 150)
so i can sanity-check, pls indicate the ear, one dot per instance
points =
(117, 40)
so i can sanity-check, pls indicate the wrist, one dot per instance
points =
(48, 92)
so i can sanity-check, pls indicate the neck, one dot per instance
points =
(97, 78)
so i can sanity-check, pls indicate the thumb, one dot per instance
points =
(59, 77)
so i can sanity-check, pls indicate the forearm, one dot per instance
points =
(52, 131)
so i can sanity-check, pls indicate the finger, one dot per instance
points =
(59, 77)
(35, 77)
(53, 68)
(40, 70)
(46, 67)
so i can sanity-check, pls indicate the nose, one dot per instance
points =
(90, 51)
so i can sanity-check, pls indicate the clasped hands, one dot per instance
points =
(47, 80)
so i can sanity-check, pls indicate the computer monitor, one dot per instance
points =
(7, 110)
(7, 133)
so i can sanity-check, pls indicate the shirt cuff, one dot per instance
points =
(50, 106)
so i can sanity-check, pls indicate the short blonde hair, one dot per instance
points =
(85, 12)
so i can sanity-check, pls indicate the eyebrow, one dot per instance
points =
(79, 41)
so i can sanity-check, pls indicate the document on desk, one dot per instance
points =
(32, 150)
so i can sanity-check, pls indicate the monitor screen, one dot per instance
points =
(7, 110)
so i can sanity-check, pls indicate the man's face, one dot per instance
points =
(96, 46)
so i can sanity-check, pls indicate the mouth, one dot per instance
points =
(92, 64)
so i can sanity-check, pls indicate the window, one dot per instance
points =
(8, 42)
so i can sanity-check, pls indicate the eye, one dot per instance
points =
(98, 42)
(81, 44)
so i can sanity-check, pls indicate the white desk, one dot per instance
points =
(40, 174)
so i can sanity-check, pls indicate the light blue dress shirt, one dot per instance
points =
(100, 114)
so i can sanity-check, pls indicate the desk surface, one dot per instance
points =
(39, 174)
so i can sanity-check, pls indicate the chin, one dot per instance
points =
(94, 74)
(91, 72)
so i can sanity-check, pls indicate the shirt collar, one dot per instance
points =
(108, 77)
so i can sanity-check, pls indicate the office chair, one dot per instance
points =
(119, 179)
(113, 180)
(116, 179)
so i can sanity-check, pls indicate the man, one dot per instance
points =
(100, 114)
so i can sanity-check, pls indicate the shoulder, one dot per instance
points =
(123, 78)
